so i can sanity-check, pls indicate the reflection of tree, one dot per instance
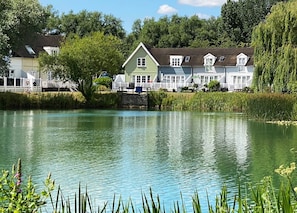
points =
(270, 147)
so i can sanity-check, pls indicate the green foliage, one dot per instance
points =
(214, 86)
(240, 17)
(18, 20)
(18, 196)
(275, 52)
(105, 81)
(271, 106)
(85, 23)
(82, 58)
(155, 99)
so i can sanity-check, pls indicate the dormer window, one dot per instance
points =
(176, 60)
(209, 61)
(52, 50)
(141, 62)
(242, 61)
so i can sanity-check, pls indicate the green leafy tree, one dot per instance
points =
(18, 19)
(240, 17)
(275, 50)
(81, 59)
(84, 23)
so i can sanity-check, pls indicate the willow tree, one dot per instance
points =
(275, 49)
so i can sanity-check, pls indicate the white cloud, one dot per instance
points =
(203, 16)
(166, 9)
(203, 3)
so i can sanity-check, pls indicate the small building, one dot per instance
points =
(175, 68)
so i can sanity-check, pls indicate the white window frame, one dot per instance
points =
(241, 62)
(175, 79)
(209, 61)
(141, 62)
(176, 60)
(142, 79)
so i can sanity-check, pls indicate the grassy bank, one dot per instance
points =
(262, 106)
(55, 100)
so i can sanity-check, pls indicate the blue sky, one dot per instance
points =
(130, 10)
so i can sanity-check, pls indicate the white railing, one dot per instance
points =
(32, 85)
(124, 86)
(20, 85)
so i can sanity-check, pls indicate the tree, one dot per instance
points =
(275, 49)
(80, 59)
(240, 17)
(84, 23)
(18, 19)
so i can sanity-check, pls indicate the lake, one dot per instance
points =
(127, 152)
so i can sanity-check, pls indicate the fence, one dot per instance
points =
(20, 85)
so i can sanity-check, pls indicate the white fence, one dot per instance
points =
(20, 85)
(124, 86)
(32, 85)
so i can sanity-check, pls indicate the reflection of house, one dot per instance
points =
(24, 73)
(173, 68)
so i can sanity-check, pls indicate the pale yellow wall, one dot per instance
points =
(30, 64)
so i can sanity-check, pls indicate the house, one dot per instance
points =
(174, 68)
(24, 73)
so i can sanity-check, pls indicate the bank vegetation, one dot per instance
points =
(260, 106)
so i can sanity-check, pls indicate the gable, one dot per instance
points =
(140, 51)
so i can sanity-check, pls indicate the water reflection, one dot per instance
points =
(127, 152)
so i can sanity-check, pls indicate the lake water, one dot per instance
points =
(125, 153)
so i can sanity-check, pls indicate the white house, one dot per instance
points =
(173, 68)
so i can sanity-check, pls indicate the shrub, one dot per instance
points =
(213, 86)
(104, 81)
(16, 196)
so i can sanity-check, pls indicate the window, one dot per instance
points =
(209, 61)
(141, 79)
(241, 62)
(176, 61)
(141, 62)
(174, 78)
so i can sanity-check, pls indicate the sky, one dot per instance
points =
(129, 11)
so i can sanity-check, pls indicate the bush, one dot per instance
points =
(16, 196)
(213, 86)
(104, 81)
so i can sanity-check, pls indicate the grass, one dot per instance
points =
(260, 197)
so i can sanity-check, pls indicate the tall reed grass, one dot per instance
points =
(259, 198)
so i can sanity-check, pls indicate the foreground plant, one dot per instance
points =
(18, 196)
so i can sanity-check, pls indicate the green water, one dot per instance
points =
(124, 153)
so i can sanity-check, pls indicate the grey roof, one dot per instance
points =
(229, 55)
(34, 45)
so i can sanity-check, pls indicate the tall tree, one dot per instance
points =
(84, 23)
(80, 59)
(275, 46)
(240, 17)
(18, 19)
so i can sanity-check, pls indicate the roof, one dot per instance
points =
(34, 45)
(195, 56)
(228, 55)
(141, 45)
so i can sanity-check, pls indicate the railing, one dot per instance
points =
(19, 85)
(32, 85)
(123, 86)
